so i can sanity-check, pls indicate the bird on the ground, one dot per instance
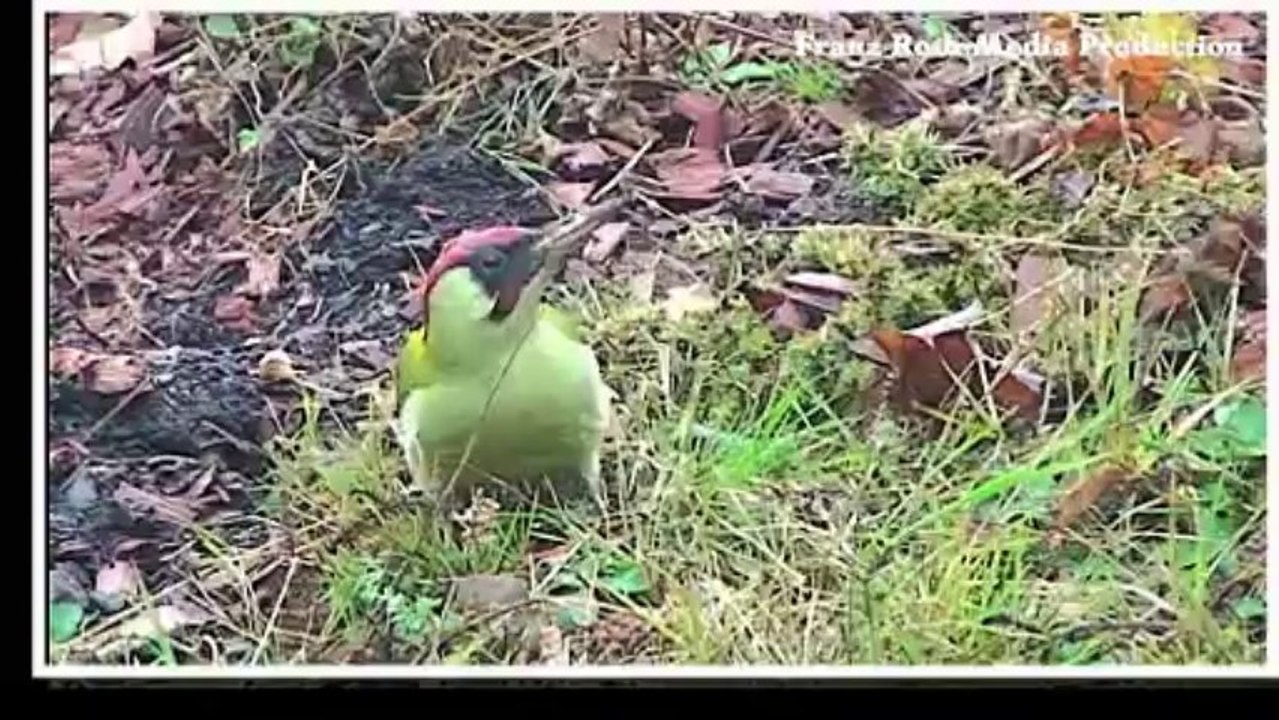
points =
(495, 389)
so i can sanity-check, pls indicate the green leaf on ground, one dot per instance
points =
(222, 27)
(64, 620)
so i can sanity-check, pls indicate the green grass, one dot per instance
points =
(764, 512)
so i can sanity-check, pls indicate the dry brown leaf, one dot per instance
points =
(840, 115)
(1196, 135)
(1015, 143)
(1138, 79)
(571, 195)
(1167, 296)
(107, 49)
(1037, 290)
(707, 114)
(604, 241)
(691, 173)
(930, 364)
(1099, 129)
(1084, 494)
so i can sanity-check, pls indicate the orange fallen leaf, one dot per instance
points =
(1195, 135)
(1099, 129)
(1137, 79)
(1063, 28)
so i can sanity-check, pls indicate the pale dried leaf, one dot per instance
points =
(768, 182)
(841, 115)
(688, 300)
(113, 374)
(823, 282)
(959, 320)
(108, 50)
(604, 241)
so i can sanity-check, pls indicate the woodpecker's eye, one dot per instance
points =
(492, 260)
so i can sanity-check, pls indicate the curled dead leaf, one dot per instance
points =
(1137, 79)
(823, 282)
(707, 114)
(933, 364)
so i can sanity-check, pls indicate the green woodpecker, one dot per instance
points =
(494, 389)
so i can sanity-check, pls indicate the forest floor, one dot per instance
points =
(811, 466)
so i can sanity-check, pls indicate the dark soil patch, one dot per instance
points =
(341, 296)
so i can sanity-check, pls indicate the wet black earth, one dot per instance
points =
(342, 298)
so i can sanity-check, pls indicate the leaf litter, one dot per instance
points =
(690, 149)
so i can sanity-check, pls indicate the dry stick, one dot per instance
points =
(275, 612)
(626, 169)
